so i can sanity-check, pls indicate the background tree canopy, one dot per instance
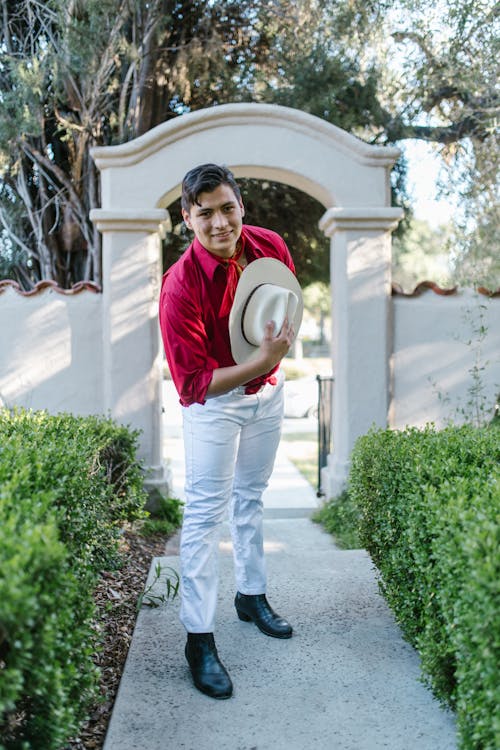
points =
(79, 73)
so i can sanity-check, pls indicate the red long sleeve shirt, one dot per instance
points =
(195, 338)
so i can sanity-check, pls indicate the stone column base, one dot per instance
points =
(334, 477)
(158, 484)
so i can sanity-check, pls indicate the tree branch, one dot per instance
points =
(13, 236)
(37, 157)
(74, 201)
(412, 36)
(469, 126)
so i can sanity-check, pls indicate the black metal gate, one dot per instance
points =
(325, 395)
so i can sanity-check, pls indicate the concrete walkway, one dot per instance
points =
(345, 681)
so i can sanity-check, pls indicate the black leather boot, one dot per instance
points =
(209, 675)
(256, 608)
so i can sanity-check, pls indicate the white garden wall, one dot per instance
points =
(439, 357)
(51, 351)
(51, 354)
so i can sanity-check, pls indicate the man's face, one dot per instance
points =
(217, 220)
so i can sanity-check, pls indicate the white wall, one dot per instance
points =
(436, 347)
(51, 351)
(51, 354)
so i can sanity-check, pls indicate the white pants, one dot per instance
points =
(230, 444)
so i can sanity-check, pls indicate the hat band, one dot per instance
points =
(244, 311)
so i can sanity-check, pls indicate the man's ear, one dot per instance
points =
(187, 220)
(242, 208)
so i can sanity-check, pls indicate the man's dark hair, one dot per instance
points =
(205, 179)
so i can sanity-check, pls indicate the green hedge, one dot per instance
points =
(339, 516)
(67, 484)
(429, 506)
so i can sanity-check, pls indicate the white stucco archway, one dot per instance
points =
(349, 177)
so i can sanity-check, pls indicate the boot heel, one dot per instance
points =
(243, 616)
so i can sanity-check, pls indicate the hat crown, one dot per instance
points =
(264, 303)
(267, 290)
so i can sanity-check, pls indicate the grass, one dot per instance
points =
(299, 368)
(302, 450)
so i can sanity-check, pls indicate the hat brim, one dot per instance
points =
(260, 271)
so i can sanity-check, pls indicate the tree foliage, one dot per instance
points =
(444, 90)
(441, 72)
(79, 73)
(422, 254)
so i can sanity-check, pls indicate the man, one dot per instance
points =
(233, 409)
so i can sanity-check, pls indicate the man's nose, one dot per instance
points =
(219, 219)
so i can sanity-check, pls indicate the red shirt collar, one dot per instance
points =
(208, 261)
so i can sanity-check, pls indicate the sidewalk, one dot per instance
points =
(345, 681)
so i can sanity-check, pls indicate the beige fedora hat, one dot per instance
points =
(267, 290)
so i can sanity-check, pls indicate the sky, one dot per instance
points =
(423, 171)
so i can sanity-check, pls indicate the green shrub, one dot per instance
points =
(46, 641)
(340, 517)
(88, 463)
(67, 484)
(429, 506)
(166, 517)
(469, 570)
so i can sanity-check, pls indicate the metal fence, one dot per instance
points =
(325, 393)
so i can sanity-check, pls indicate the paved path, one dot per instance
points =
(345, 681)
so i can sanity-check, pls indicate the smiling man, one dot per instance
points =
(233, 403)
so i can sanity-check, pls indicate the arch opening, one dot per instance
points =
(289, 211)
(262, 172)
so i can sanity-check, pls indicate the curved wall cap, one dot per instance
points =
(244, 115)
(425, 286)
(80, 286)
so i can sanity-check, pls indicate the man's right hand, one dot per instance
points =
(274, 347)
(269, 354)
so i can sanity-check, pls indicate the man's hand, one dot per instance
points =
(273, 348)
(270, 352)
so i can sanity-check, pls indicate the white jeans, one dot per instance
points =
(230, 444)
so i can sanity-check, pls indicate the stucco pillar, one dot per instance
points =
(132, 376)
(360, 263)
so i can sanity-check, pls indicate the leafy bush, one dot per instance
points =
(166, 517)
(46, 642)
(340, 517)
(67, 484)
(429, 506)
(88, 463)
